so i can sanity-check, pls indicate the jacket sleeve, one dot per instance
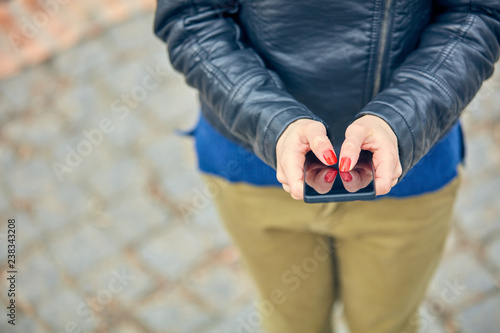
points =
(203, 42)
(426, 95)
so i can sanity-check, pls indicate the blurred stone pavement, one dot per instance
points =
(116, 231)
(32, 31)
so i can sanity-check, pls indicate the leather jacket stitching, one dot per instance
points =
(463, 30)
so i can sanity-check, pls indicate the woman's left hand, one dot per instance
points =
(374, 134)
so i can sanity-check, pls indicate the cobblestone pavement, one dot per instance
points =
(98, 183)
(31, 31)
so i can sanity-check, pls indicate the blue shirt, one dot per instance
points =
(219, 156)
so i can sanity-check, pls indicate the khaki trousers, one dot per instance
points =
(385, 253)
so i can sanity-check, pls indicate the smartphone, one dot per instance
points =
(325, 183)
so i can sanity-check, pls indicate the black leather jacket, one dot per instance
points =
(261, 64)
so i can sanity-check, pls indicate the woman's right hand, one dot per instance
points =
(295, 142)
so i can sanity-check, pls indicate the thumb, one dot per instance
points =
(351, 148)
(320, 144)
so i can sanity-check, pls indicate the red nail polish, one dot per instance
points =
(330, 175)
(346, 176)
(330, 157)
(345, 164)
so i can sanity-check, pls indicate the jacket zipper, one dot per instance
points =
(382, 48)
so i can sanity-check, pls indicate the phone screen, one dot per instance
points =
(324, 183)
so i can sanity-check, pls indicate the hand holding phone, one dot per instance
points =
(323, 183)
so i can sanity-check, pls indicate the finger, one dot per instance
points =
(399, 170)
(330, 175)
(280, 174)
(286, 187)
(355, 136)
(323, 181)
(320, 144)
(311, 173)
(351, 181)
(293, 166)
(394, 182)
(397, 173)
(384, 164)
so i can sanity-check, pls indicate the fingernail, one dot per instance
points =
(346, 176)
(345, 164)
(330, 175)
(330, 157)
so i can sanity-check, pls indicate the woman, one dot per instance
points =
(387, 76)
